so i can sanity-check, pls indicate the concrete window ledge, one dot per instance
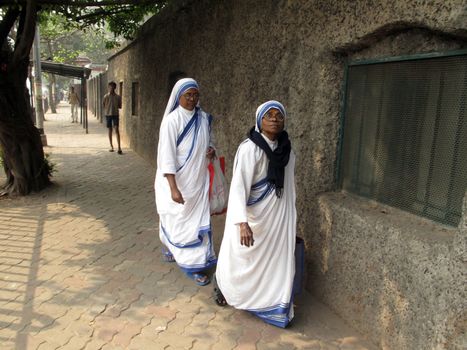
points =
(384, 217)
(397, 277)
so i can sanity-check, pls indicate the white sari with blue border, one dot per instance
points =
(259, 278)
(185, 229)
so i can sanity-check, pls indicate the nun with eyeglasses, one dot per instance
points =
(182, 182)
(256, 265)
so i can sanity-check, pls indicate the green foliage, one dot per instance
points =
(53, 25)
(51, 166)
(123, 21)
(99, 44)
(94, 31)
(63, 43)
(48, 164)
(61, 19)
(55, 31)
(63, 55)
(127, 23)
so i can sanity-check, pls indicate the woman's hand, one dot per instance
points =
(246, 235)
(177, 196)
(211, 153)
(174, 191)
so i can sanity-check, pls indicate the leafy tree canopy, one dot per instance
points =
(121, 17)
(63, 43)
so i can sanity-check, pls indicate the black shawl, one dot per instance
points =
(278, 159)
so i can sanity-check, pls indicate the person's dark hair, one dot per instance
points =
(113, 84)
(173, 78)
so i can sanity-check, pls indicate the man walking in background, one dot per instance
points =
(112, 102)
(73, 100)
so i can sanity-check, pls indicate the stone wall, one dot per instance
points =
(399, 282)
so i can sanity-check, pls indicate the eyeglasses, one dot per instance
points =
(274, 116)
(191, 96)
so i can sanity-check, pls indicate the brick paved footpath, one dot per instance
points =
(80, 266)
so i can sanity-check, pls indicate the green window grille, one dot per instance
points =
(404, 134)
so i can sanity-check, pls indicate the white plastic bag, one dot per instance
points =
(218, 191)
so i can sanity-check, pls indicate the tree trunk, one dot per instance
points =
(54, 92)
(52, 104)
(23, 157)
(52, 96)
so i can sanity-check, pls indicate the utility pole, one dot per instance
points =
(38, 87)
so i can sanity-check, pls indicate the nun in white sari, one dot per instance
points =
(256, 265)
(182, 182)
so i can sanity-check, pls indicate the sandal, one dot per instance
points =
(200, 279)
(167, 256)
(219, 297)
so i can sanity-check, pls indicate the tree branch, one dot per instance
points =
(45, 37)
(27, 34)
(102, 12)
(7, 23)
(82, 3)
(20, 27)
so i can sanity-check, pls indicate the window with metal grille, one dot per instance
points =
(134, 98)
(404, 134)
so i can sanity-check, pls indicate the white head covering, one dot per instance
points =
(179, 88)
(264, 108)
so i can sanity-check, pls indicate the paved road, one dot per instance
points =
(80, 266)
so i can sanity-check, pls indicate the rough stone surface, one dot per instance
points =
(413, 285)
(80, 266)
(245, 52)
